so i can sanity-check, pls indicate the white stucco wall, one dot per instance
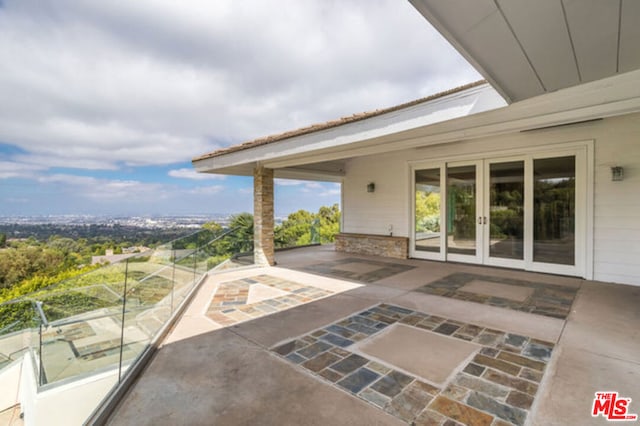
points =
(66, 404)
(616, 207)
(71, 404)
(388, 205)
(10, 379)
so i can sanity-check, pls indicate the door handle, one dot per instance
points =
(484, 220)
(479, 220)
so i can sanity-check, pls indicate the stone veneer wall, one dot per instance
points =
(263, 245)
(376, 245)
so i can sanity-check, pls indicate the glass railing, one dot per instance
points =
(18, 330)
(104, 320)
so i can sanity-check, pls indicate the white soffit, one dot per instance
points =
(529, 47)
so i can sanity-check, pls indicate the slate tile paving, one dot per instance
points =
(229, 304)
(358, 380)
(392, 384)
(496, 386)
(547, 299)
(379, 270)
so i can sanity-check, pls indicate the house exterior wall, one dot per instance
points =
(616, 205)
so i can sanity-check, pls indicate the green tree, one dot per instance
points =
(3, 240)
(329, 223)
(213, 226)
(427, 211)
(295, 230)
(24, 261)
(303, 227)
(240, 240)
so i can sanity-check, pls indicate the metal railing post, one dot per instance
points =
(124, 306)
(195, 259)
(173, 277)
(40, 362)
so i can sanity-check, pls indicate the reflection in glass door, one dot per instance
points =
(554, 210)
(427, 210)
(521, 211)
(506, 210)
(461, 210)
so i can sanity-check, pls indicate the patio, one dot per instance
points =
(334, 338)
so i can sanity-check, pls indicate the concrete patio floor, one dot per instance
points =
(242, 368)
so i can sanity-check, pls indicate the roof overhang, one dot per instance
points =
(321, 155)
(305, 154)
(526, 48)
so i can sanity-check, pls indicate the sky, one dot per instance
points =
(104, 104)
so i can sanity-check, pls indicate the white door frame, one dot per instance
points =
(583, 151)
(486, 258)
(419, 254)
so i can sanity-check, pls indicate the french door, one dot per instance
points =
(518, 212)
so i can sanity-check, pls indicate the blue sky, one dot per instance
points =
(103, 105)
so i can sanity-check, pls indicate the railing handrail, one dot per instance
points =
(8, 327)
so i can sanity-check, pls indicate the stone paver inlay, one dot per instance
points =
(538, 298)
(232, 302)
(363, 270)
(497, 386)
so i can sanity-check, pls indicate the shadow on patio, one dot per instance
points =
(332, 338)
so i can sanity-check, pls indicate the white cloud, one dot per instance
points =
(322, 189)
(288, 182)
(186, 173)
(100, 84)
(9, 169)
(329, 193)
(206, 190)
(106, 189)
(17, 200)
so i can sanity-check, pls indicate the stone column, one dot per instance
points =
(263, 248)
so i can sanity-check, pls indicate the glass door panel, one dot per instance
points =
(506, 210)
(523, 211)
(461, 210)
(427, 210)
(554, 210)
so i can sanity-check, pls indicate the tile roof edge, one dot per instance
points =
(265, 140)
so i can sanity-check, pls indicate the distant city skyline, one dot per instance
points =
(103, 105)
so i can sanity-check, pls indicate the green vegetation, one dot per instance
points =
(427, 211)
(507, 213)
(300, 228)
(57, 271)
(29, 258)
(41, 280)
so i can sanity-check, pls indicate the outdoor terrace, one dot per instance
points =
(333, 338)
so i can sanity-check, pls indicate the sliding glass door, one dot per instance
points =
(427, 212)
(504, 213)
(464, 231)
(518, 212)
(554, 210)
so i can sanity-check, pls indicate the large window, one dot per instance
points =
(554, 210)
